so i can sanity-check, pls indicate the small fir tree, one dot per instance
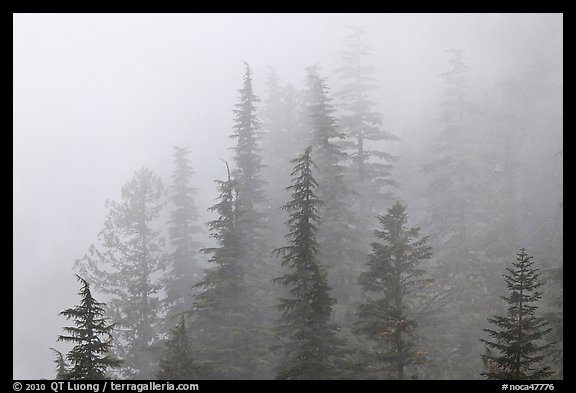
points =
(179, 362)
(515, 351)
(89, 358)
(61, 365)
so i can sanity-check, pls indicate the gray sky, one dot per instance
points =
(98, 95)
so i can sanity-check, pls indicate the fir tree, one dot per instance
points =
(89, 358)
(283, 138)
(61, 365)
(248, 187)
(179, 361)
(392, 277)
(126, 268)
(225, 317)
(309, 339)
(337, 235)
(249, 218)
(518, 335)
(458, 217)
(247, 151)
(183, 269)
(371, 175)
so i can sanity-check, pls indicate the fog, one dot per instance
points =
(97, 96)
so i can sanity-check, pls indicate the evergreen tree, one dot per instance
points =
(179, 361)
(517, 340)
(371, 175)
(225, 316)
(89, 358)
(61, 365)
(247, 153)
(127, 268)
(459, 194)
(393, 275)
(250, 220)
(183, 269)
(283, 138)
(250, 196)
(337, 235)
(309, 339)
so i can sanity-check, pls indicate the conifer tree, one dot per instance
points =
(371, 174)
(179, 361)
(183, 269)
(337, 234)
(247, 153)
(92, 335)
(61, 365)
(309, 338)
(224, 314)
(392, 277)
(283, 138)
(457, 220)
(126, 268)
(516, 338)
(250, 220)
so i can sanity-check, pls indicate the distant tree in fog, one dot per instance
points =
(457, 217)
(337, 234)
(283, 138)
(183, 268)
(127, 267)
(386, 317)
(179, 361)
(371, 168)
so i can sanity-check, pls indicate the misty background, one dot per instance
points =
(97, 96)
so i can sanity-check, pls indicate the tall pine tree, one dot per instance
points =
(127, 268)
(250, 220)
(458, 217)
(92, 334)
(337, 235)
(224, 313)
(183, 269)
(309, 338)
(393, 275)
(283, 138)
(517, 340)
(371, 169)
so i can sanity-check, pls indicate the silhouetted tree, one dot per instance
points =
(89, 358)
(61, 365)
(519, 352)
